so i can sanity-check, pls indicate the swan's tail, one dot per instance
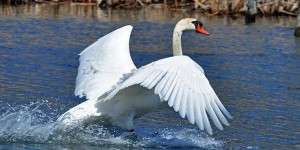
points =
(81, 116)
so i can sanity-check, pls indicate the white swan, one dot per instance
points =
(117, 92)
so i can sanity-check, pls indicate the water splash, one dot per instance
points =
(25, 123)
(36, 123)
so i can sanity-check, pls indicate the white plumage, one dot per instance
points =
(117, 92)
(103, 63)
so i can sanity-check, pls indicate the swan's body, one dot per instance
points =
(117, 92)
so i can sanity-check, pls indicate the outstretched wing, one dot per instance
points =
(103, 63)
(181, 82)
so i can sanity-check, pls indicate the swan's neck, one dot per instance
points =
(177, 50)
(184, 24)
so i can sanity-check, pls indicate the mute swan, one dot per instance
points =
(118, 92)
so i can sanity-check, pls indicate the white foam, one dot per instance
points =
(35, 123)
(181, 138)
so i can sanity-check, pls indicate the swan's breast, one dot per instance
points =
(134, 100)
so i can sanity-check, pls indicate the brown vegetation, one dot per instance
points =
(264, 7)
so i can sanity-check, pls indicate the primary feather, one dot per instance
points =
(184, 69)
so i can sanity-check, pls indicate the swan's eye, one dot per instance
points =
(196, 23)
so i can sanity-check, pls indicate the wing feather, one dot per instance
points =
(168, 84)
(219, 113)
(198, 115)
(174, 93)
(150, 78)
(178, 98)
(182, 109)
(171, 88)
(139, 77)
(103, 64)
(222, 108)
(157, 79)
(190, 110)
(204, 115)
(182, 83)
(162, 83)
(211, 113)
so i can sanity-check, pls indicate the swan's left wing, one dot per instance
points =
(104, 63)
(181, 82)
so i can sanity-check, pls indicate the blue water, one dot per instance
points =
(254, 69)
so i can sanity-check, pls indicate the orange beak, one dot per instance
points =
(201, 30)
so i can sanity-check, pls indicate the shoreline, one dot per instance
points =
(212, 7)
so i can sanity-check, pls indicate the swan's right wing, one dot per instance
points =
(181, 82)
(103, 63)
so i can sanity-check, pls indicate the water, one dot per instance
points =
(253, 68)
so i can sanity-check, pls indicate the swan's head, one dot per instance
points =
(192, 24)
